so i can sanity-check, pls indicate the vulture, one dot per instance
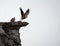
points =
(24, 15)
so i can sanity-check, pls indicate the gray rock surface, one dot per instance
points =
(9, 33)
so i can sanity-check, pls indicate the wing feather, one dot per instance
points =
(22, 13)
(25, 14)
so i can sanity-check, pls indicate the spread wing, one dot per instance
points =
(22, 13)
(25, 14)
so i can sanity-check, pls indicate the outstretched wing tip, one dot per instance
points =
(28, 10)
(20, 9)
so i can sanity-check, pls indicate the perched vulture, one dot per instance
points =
(13, 19)
(24, 15)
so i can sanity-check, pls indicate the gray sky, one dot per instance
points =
(44, 19)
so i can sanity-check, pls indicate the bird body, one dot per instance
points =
(24, 15)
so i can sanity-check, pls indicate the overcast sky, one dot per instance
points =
(44, 20)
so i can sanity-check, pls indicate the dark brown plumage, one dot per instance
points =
(13, 19)
(24, 15)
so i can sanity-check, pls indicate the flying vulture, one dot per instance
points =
(24, 15)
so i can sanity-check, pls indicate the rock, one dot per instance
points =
(9, 33)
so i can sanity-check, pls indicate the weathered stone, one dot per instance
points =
(9, 33)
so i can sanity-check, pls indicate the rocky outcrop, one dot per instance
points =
(9, 33)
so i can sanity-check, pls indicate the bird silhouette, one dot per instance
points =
(13, 19)
(24, 15)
